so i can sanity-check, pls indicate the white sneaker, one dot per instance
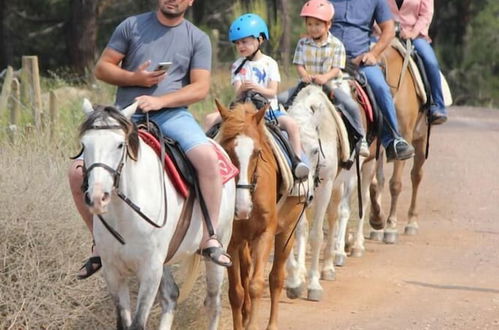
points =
(301, 170)
(364, 148)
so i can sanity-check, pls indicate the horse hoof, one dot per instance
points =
(376, 223)
(314, 294)
(376, 236)
(339, 260)
(390, 237)
(294, 293)
(410, 230)
(328, 275)
(357, 252)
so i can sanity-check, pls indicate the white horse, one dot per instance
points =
(322, 140)
(119, 164)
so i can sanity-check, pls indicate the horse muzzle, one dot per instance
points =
(97, 199)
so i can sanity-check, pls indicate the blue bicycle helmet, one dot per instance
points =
(248, 25)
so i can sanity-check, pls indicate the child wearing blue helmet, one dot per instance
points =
(255, 72)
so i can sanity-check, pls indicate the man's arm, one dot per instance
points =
(196, 91)
(386, 37)
(108, 70)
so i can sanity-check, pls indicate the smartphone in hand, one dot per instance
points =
(163, 66)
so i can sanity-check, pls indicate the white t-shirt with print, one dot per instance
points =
(261, 72)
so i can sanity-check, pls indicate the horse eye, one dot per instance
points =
(120, 145)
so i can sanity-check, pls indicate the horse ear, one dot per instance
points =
(87, 107)
(130, 110)
(261, 113)
(224, 112)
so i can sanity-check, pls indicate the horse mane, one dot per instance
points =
(237, 121)
(110, 115)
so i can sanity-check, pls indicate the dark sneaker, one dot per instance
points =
(399, 149)
(438, 117)
(301, 170)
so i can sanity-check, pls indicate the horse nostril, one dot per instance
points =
(105, 196)
(88, 201)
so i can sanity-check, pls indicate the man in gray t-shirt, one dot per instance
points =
(129, 61)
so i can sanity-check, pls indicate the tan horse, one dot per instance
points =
(258, 220)
(413, 127)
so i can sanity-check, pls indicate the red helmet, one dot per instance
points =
(320, 9)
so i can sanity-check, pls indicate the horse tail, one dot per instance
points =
(340, 129)
(190, 269)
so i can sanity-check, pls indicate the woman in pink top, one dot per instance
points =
(415, 17)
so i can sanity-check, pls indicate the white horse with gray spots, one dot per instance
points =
(326, 144)
(119, 164)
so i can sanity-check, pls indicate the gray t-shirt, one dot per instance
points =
(143, 37)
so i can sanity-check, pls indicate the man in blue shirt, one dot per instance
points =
(352, 24)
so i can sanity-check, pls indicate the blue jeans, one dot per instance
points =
(178, 124)
(432, 69)
(383, 95)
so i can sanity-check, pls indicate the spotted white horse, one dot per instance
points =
(325, 142)
(119, 164)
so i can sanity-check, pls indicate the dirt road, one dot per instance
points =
(446, 277)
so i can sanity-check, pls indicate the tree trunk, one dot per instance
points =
(285, 42)
(82, 35)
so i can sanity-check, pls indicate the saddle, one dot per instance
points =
(177, 165)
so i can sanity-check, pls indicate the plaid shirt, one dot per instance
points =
(320, 58)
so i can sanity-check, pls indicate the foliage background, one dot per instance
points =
(464, 33)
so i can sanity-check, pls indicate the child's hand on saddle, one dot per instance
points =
(320, 79)
(144, 78)
(307, 78)
(248, 85)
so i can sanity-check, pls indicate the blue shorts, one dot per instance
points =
(274, 114)
(178, 124)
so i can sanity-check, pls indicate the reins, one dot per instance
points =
(116, 174)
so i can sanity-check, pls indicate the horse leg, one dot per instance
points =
(149, 280)
(316, 236)
(118, 288)
(328, 271)
(278, 274)
(343, 217)
(168, 295)
(260, 251)
(376, 218)
(212, 302)
(416, 177)
(296, 269)
(236, 290)
(245, 270)
(390, 234)
(368, 170)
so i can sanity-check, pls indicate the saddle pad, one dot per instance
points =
(227, 169)
(286, 174)
(362, 99)
(413, 68)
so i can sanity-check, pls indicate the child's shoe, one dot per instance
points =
(364, 148)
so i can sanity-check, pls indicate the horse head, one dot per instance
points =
(107, 137)
(242, 136)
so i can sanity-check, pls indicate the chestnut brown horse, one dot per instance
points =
(413, 126)
(258, 220)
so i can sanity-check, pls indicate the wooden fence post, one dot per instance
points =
(15, 109)
(6, 89)
(216, 37)
(30, 83)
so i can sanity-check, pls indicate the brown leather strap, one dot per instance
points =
(181, 229)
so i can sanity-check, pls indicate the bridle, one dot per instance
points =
(254, 178)
(116, 175)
